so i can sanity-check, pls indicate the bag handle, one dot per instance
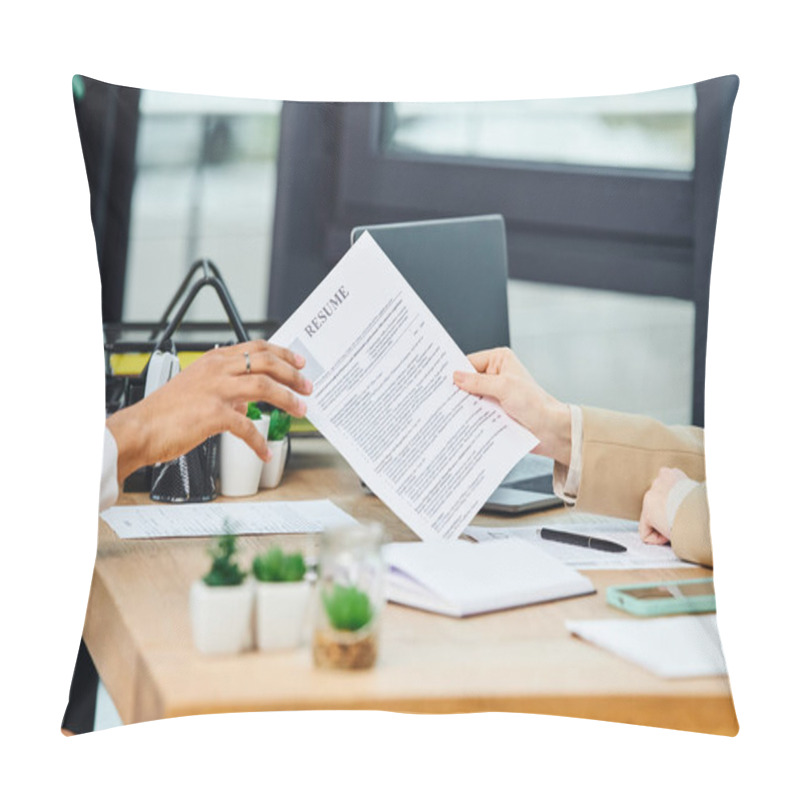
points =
(211, 277)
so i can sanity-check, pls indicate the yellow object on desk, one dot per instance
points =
(134, 363)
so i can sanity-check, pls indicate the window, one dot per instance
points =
(205, 187)
(606, 349)
(652, 130)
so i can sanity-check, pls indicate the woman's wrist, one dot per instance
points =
(556, 433)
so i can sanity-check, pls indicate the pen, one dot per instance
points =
(582, 541)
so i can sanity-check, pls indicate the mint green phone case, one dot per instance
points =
(664, 597)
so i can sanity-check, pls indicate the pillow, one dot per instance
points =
(609, 209)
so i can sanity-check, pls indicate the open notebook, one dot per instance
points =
(460, 579)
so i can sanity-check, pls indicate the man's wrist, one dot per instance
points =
(129, 429)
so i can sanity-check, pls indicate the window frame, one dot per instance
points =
(566, 224)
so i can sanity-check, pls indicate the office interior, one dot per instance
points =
(598, 195)
(609, 254)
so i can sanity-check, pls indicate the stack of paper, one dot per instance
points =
(459, 579)
(212, 519)
(637, 555)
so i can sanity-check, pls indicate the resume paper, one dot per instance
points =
(382, 367)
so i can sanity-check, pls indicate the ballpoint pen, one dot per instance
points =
(579, 539)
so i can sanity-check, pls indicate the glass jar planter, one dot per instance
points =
(349, 597)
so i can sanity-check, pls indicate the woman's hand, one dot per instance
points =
(208, 397)
(502, 377)
(654, 527)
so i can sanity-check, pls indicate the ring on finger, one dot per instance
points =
(247, 361)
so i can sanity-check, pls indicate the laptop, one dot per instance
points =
(459, 267)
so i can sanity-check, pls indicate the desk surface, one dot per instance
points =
(524, 660)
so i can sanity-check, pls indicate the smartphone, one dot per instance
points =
(667, 597)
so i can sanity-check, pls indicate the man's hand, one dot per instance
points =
(208, 397)
(502, 377)
(654, 526)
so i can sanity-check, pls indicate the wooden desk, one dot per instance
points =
(137, 630)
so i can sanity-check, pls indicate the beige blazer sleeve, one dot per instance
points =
(621, 456)
(690, 536)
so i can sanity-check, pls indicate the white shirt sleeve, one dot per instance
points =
(109, 488)
(567, 478)
(677, 494)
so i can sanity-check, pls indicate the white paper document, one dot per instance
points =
(460, 579)
(638, 554)
(213, 519)
(686, 646)
(382, 368)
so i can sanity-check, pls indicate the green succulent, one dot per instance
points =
(275, 566)
(253, 411)
(279, 422)
(348, 608)
(224, 570)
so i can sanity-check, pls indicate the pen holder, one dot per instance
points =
(190, 478)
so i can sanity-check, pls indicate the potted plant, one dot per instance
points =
(282, 596)
(345, 639)
(240, 467)
(278, 442)
(221, 603)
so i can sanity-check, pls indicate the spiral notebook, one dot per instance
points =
(460, 579)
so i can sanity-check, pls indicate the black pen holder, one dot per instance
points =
(190, 478)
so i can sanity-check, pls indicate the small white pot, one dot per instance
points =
(272, 470)
(222, 617)
(239, 466)
(282, 611)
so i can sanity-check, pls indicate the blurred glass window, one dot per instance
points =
(651, 130)
(205, 188)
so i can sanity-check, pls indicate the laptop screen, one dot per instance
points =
(459, 268)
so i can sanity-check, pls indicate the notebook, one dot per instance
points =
(460, 579)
